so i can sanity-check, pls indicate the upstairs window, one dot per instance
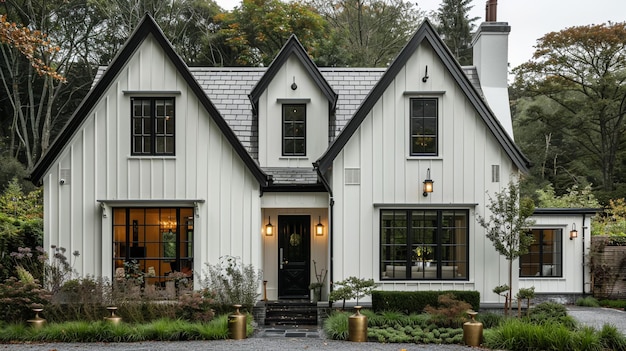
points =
(424, 116)
(294, 130)
(153, 126)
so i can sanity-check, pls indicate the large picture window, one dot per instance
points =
(294, 130)
(424, 115)
(424, 244)
(159, 240)
(544, 257)
(152, 126)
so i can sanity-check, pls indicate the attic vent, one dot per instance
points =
(65, 176)
(495, 173)
(353, 176)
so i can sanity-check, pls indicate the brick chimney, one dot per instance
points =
(491, 53)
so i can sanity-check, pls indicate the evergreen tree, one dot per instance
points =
(455, 27)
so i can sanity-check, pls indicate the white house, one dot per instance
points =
(281, 166)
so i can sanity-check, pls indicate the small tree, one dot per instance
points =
(352, 288)
(503, 289)
(524, 293)
(508, 224)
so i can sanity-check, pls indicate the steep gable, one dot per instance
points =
(425, 33)
(146, 28)
(292, 47)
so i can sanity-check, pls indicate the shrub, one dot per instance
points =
(196, 306)
(450, 312)
(233, 283)
(415, 301)
(587, 302)
(352, 288)
(612, 339)
(17, 298)
(613, 303)
(551, 313)
(490, 319)
(336, 325)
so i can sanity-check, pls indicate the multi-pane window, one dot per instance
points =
(544, 258)
(159, 240)
(424, 244)
(294, 130)
(152, 126)
(423, 122)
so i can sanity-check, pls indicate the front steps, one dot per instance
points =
(290, 313)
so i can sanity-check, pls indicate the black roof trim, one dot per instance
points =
(303, 188)
(425, 32)
(292, 46)
(146, 27)
(562, 211)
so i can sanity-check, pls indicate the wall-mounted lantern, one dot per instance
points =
(319, 228)
(428, 183)
(573, 233)
(269, 228)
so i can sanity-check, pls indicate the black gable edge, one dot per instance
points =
(147, 26)
(427, 32)
(292, 46)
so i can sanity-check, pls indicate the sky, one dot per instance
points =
(530, 19)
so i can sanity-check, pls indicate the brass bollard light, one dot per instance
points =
(37, 322)
(237, 324)
(113, 318)
(472, 330)
(357, 326)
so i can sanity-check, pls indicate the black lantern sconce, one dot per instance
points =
(573, 233)
(319, 228)
(269, 228)
(428, 183)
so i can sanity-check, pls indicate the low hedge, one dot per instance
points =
(415, 301)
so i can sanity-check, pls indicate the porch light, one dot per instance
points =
(269, 228)
(573, 233)
(428, 183)
(319, 228)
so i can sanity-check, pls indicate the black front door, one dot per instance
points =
(293, 257)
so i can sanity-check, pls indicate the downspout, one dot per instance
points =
(584, 218)
(330, 222)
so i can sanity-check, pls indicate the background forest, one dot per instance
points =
(568, 101)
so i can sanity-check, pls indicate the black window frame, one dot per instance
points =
(418, 123)
(434, 250)
(286, 137)
(151, 134)
(534, 263)
(139, 235)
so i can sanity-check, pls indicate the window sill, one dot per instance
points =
(151, 157)
(293, 158)
(543, 278)
(422, 158)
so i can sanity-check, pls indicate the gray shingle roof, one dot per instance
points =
(228, 89)
(284, 175)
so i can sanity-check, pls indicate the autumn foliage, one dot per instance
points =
(27, 42)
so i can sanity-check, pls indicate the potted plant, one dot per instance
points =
(316, 287)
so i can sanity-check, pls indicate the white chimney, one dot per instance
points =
(491, 53)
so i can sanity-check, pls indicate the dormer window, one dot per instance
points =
(294, 130)
(424, 117)
(152, 126)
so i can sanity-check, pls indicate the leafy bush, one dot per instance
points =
(490, 319)
(587, 302)
(449, 312)
(551, 313)
(351, 288)
(233, 283)
(17, 298)
(415, 301)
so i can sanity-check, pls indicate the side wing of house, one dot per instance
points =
(149, 173)
(423, 121)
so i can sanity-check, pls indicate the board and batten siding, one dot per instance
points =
(572, 256)
(391, 178)
(101, 168)
(279, 92)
